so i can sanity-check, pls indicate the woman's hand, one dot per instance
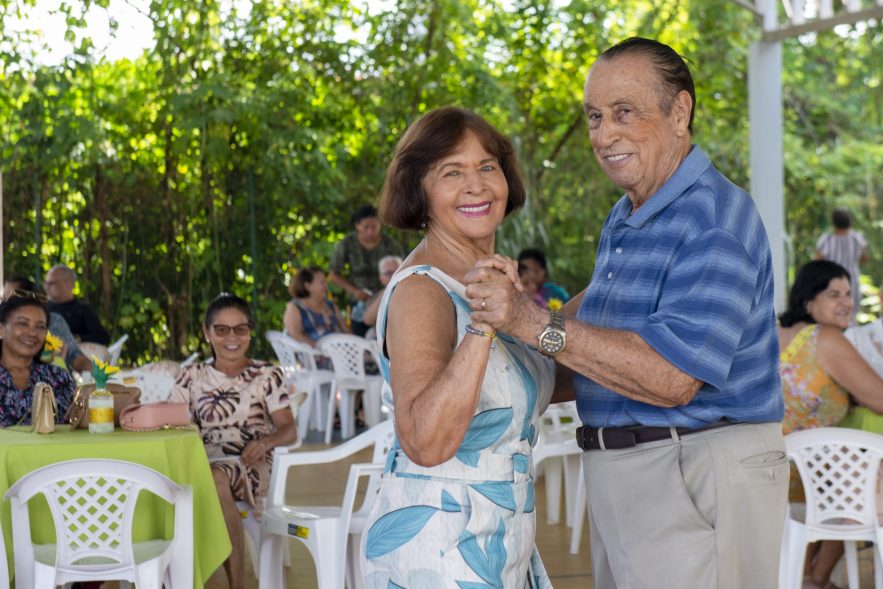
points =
(254, 452)
(504, 264)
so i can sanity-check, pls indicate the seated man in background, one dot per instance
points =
(75, 359)
(81, 318)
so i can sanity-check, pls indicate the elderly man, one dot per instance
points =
(81, 318)
(672, 345)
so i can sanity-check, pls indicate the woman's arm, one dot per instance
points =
(841, 361)
(285, 434)
(293, 326)
(435, 385)
(340, 321)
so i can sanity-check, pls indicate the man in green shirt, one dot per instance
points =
(354, 262)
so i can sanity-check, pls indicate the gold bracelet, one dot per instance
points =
(476, 331)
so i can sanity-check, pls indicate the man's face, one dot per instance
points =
(59, 288)
(637, 144)
(368, 229)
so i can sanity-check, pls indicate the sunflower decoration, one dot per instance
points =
(100, 372)
(554, 304)
(53, 342)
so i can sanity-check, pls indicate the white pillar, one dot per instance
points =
(767, 162)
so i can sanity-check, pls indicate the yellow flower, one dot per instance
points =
(554, 304)
(53, 342)
(100, 372)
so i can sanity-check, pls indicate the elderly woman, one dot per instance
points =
(457, 492)
(24, 319)
(820, 372)
(241, 408)
(310, 314)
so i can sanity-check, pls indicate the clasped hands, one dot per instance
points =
(497, 297)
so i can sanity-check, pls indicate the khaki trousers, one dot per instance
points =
(704, 512)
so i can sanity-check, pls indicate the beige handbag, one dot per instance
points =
(43, 409)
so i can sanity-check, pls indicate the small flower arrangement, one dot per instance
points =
(554, 304)
(100, 372)
(53, 342)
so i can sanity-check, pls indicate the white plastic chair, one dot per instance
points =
(330, 533)
(348, 353)
(155, 386)
(556, 450)
(839, 469)
(4, 564)
(93, 503)
(298, 363)
(190, 360)
(115, 349)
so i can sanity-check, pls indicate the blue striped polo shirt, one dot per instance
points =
(691, 273)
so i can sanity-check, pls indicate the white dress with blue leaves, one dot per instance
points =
(470, 522)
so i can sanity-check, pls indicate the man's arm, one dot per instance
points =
(619, 360)
(353, 291)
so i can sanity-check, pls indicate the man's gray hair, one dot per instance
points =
(66, 271)
(397, 259)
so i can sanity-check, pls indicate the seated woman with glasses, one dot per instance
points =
(24, 319)
(310, 314)
(241, 408)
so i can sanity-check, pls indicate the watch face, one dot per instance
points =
(552, 341)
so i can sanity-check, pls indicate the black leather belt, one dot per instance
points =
(617, 438)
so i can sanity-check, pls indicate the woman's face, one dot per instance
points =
(229, 345)
(467, 192)
(318, 286)
(24, 332)
(832, 306)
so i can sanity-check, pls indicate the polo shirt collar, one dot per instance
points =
(685, 176)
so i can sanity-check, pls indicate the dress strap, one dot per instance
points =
(797, 344)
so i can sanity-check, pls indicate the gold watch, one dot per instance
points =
(552, 338)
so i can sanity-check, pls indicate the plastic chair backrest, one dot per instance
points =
(294, 356)
(838, 467)
(92, 503)
(190, 359)
(115, 349)
(4, 564)
(155, 386)
(347, 353)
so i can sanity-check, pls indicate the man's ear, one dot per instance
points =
(681, 108)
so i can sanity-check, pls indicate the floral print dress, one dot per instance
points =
(15, 404)
(231, 412)
(812, 398)
(470, 522)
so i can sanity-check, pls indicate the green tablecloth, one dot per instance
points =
(178, 454)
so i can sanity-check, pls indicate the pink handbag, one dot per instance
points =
(153, 416)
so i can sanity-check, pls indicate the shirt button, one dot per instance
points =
(619, 250)
(609, 275)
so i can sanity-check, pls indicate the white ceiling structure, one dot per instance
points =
(780, 20)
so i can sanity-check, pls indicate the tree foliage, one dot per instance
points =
(232, 151)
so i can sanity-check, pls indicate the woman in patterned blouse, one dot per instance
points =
(241, 408)
(24, 318)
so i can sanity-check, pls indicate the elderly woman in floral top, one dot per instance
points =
(241, 408)
(24, 318)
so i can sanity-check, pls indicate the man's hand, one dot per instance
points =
(498, 302)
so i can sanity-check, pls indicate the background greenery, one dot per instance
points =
(233, 151)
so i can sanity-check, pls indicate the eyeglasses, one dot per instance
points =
(222, 330)
(28, 294)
